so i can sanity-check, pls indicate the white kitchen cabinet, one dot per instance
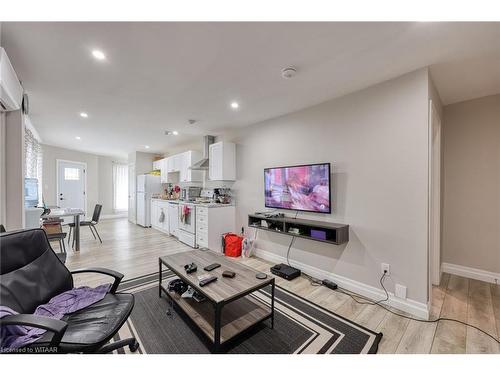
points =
(170, 164)
(222, 165)
(163, 170)
(212, 223)
(177, 162)
(157, 208)
(154, 207)
(186, 174)
(173, 218)
(157, 164)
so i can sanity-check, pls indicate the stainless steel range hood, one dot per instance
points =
(203, 164)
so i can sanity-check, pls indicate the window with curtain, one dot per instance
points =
(33, 160)
(120, 187)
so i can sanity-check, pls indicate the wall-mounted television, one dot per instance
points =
(299, 187)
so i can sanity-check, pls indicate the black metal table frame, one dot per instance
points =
(219, 305)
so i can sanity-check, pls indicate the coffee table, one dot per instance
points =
(229, 309)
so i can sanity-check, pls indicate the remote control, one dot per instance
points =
(208, 281)
(229, 274)
(212, 267)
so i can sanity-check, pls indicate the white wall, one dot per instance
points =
(377, 141)
(14, 170)
(3, 186)
(471, 207)
(2, 159)
(99, 177)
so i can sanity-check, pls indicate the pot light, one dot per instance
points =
(98, 55)
(146, 146)
(235, 105)
(84, 114)
(175, 132)
(78, 138)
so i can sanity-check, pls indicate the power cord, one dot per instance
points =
(368, 301)
(288, 251)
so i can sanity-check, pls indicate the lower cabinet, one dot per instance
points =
(160, 215)
(173, 218)
(212, 223)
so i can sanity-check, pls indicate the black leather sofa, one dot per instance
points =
(31, 274)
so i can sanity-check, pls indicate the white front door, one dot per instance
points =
(132, 180)
(71, 184)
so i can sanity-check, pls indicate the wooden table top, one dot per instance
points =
(224, 288)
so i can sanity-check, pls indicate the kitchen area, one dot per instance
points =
(186, 195)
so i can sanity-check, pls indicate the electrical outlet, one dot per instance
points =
(400, 291)
(386, 268)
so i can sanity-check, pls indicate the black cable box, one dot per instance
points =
(285, 271)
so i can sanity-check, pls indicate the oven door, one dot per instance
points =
(187, 218)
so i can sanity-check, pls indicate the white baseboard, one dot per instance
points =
(114, 216)
(471, 273)
(410, 306)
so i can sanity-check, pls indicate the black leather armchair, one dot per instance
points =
(31, 274)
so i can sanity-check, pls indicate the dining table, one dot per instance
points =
(56, 213)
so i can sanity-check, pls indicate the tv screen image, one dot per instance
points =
(302, 188)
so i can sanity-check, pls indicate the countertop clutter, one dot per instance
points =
(199, 204)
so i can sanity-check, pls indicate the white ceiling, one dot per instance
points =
(159, 75)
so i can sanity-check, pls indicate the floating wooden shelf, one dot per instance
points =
(322, 231)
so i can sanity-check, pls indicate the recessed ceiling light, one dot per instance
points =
(78, 138)
(175, 132)
(146, 146)
(235, 105)
(84, 114)
(99, 55)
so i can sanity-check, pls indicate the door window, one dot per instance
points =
(71, 174)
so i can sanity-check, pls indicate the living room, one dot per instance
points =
(248, 190)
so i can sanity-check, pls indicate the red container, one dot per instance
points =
(232, 245)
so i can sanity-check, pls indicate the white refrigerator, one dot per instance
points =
(147, 185)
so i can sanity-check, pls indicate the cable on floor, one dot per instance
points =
(369, 301)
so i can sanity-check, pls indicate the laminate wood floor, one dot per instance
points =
(134, 251)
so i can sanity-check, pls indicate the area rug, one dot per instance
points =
(300, 326)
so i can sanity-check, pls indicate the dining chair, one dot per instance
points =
(54, 232)
(88, 223)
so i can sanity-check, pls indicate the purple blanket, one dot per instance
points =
(12, 337)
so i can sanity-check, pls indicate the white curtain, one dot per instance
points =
(120, 187)
(33, 159)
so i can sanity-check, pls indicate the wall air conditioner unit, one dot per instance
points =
(11, 91)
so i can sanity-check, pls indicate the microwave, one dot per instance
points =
(190, 193)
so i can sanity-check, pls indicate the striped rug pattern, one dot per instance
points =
(301, 327)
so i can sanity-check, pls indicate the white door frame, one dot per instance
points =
(58, 161)
(434, 238)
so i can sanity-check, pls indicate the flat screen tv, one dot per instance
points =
(300, 187)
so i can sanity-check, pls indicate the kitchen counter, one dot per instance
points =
(210, 205)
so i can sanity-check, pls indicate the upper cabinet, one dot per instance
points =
(163, 169)
(175, 168)
(187, 159)
(222, 164)
(157, 165)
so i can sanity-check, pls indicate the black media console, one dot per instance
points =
(332, 233)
